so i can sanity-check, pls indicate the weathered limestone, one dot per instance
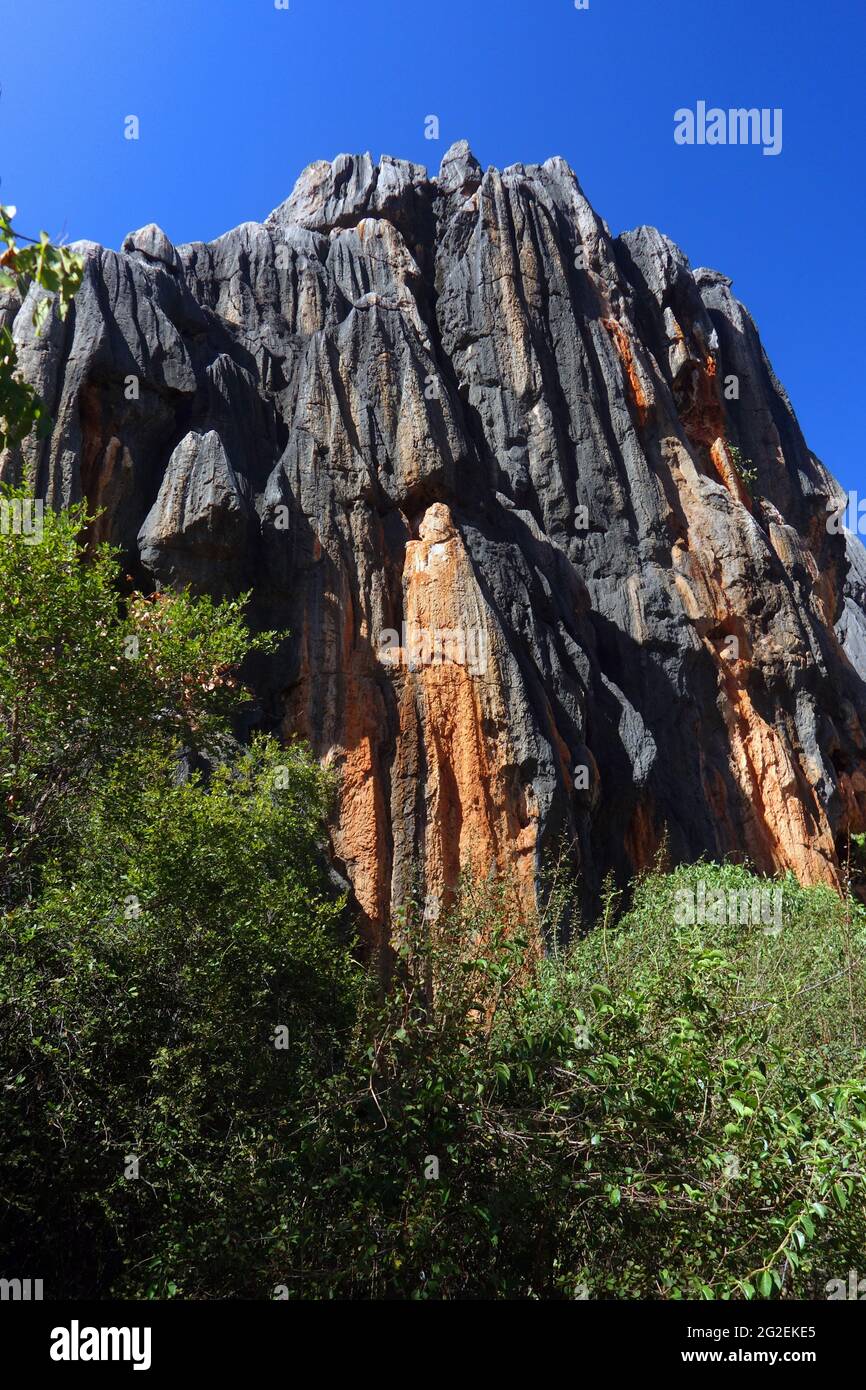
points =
(458, 402)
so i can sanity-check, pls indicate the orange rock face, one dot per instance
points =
(455, 807)
(455, 707)
(623, 346)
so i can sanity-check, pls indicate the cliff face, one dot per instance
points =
(491, 467)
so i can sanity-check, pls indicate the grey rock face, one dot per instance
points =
(407, 405)
(460, 171)
(198, 530)
(151, 244)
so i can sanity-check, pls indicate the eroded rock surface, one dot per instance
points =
(457, 405)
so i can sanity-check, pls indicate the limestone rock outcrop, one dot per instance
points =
(551, 553)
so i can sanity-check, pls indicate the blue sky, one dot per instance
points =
(235, 97)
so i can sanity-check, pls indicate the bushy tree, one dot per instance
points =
(174, 966)
(86, 677)
(659, 1111)
(162, 1015)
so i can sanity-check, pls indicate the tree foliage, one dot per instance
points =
(86, 677)
(58, 271)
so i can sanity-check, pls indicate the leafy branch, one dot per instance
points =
(57, 270)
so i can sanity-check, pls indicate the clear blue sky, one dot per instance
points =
(235, 98)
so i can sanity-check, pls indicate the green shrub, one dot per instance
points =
(746, 470)
(660, 1111)
(156, 931)
(139, 1005)
(86, 679)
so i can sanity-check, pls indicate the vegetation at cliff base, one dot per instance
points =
(206, 1091)
(57, 272)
